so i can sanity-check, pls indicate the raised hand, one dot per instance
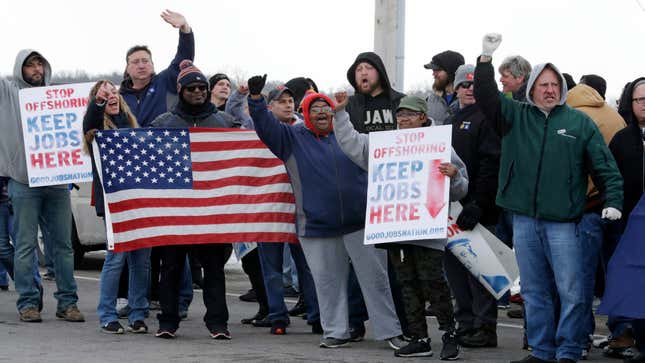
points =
(341, 100)
(490, 42)
(176, 20)
(256, 84)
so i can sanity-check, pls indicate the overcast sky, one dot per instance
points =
(321, 39)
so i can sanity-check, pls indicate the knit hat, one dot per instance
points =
(413, 103)
(569, 79)
(189, 74)
(299, 87)
(465, 73)
(216, 78)
(448, 61)
(596, 82)
(306, 104)
(275, 93)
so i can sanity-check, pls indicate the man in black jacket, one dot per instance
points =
(479, 147)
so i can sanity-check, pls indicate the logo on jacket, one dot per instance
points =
(465, 125)
(563, 132)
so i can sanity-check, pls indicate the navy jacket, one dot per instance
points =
(330, 190)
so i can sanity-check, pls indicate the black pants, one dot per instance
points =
(213, 257)
(252, 268)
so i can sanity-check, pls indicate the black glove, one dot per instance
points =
(469, 216)
(256, 83)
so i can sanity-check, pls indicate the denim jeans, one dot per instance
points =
(139, 276)
(289, 271)
(271, 255)
(551, 266)
(590, 232)
(51, 206)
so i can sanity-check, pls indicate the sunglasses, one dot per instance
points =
(465, 84)
(201, 88)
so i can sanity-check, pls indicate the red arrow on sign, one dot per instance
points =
(436, 187)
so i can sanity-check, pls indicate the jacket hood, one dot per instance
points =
(584, 96)
(534, 75)
(306, 103)
(625, 108)
(21, 57)
(376, 61)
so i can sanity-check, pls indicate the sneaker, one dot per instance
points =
(278, 327)
(71, 314)
(138, 327)
(397, 342)
(450, 349)
(183, 315)
(480, 338)
(356, 334)
(262, 323)
(249, 296)
(300, 309)
(417, 348)
(221, 334)
(49, 276)
(316, 328)
(30, 315)
(154, 305)
(257, 316)
(165, 333)
(333, 343)
(112, 327)
(530, 359)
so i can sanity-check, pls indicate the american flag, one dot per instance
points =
(191, 186)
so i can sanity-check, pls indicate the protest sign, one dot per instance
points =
(52, 128)
(491, 262)
(407, 196)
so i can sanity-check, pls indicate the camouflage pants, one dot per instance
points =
(420, 274)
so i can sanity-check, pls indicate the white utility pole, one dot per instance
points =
(389, 38)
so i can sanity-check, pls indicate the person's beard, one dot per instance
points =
(36, 83)
(440, 84)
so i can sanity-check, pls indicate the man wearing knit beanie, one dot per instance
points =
(220, 87)
(194, 109)
(443, 66)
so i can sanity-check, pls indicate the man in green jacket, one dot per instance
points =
(548, 151)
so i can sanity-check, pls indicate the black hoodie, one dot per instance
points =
(627, 148)
(369, 113)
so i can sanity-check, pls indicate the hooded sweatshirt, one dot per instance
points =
(12, 147)
(546, 156)
(627, 148)
(373, 113)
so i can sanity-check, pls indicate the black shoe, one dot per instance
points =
(112, 327)
(480, 338)
(278, 327)
(262, 323)
(417, 348)
(165, 333)
(316, 328)
(221, 334)
(4, 287)
(333, 343)
(257, 316)
(299, 309)
(356, 334)
(530, 359)
(138, 327)
(450, 349)
(250, 296)
(289, 291)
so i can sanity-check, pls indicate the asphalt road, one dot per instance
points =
(58, 341)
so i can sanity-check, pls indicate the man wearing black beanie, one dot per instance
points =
(440, 101)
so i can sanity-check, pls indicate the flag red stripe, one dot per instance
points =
(202, 146)
(252, 181)
(231, 163)
(195, 130)
(212, 219)
(165, 240)
(138, 203)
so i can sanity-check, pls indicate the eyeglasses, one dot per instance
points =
(201, 88)
(465, 84)
(318, 109)
(407, 114)
(639, 100)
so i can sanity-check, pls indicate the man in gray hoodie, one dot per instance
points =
(50, 204)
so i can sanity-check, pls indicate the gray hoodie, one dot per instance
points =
(12, 147)
(356, 146)
(535, 72)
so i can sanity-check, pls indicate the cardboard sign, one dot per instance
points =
(491, 262)
(52, 127)
(407, 196)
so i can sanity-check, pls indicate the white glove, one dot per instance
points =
(490, 43)
(611, 213)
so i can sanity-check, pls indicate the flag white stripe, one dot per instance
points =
(203, 211)
(238, 171)
(202, 156)
(223, 136)
(198, 194)
(202, 229)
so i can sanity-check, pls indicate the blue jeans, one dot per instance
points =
(271, 255)
(48, 261)
(551, 266)
(590, 230)
(51, 206)
(289, 271)
(139, 276)
(6, 248)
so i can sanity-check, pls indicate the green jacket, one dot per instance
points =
(546, 159)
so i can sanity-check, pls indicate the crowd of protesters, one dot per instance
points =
(548, 166)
